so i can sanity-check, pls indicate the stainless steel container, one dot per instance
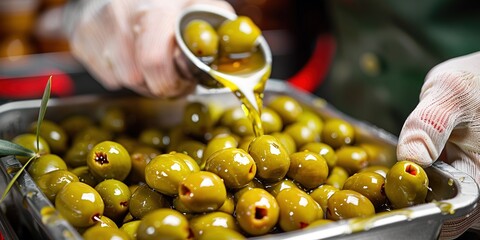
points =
(453, 193)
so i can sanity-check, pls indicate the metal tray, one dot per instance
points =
(453, 193)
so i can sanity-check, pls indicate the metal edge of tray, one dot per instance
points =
(460, 205)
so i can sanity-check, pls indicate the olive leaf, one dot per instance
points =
(9, 148)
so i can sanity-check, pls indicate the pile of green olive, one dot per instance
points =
(209, 176)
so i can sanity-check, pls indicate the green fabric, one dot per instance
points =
(406, 38)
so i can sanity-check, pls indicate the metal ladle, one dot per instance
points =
(203, 72)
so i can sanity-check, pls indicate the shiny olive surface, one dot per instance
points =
(311, 120)
(218, 143)
(201, 38)
(29, 141)
(271, 121)
(235, 166)
(75, 123)
(287, 107)
(226, 233)
(202, 191)
(96, 233)
(238, 36)
(345, 204)
(45, 164)
(76, 155)
(301, 134)
(130, 228)
(80, 204)
(324, 150)
(277, 187)
(141, 156)
(257, 211)
(165, 172)
(297, 209)
(322, 194)
(114, 120)
(53, 134)
(116, 196)
(109, 159)
(406, 184)
(271, 158)
(286, 140)
(337, 132)
(199, 224)
(197, 120)
(145, 200)
(308, 168)
(153, 137)
(352, 158)
(192, 148)
(163, 224)
(338, 176)
(84, 175)
(370, 185)
(51, 183)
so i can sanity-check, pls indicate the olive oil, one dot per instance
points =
(246, 78)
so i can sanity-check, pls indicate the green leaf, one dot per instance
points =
(43, 108)
(15, 177)
(10, 148)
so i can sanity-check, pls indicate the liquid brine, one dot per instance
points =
(246, 79)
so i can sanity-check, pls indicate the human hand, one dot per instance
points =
(447, 119)
(131, 43)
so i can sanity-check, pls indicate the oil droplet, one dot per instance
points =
(462, 179)
(445, 208)
(450, 182)
(47, 213)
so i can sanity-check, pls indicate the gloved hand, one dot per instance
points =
(447, 119)
(131, 43)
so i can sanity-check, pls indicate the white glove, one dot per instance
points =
(447, 119)
(131, 43)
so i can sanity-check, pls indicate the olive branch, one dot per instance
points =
(10, 148)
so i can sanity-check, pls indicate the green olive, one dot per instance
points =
(80, 204)
(257, 211)
(287, 107)
(75, 123)
(271, 121)
(192, 148)
(311, 120)
(277, 187)
(322, 194)
(238, 36)
(406, 184)
(352, 158)
(324, 150)
(199, 224)
(45, 164)
(84, 175)
(116, 196)
(271, 158)
(29, 141)
(95, 233)
(197, 120)
(226, 233)
(301, 134)
(141, 156)
(165, 172)
(308, 168)
(51, 183)
(76, 155)
(153, 137)
(243, 127)
(201, 38)
(297, 209)
(370, 185)
(56, 137)
(93, 134)
(345, 204)
(338, 132)
(255, 183)
(319, 222)
(382, 170)
(202, 191)
(218, 143)
(231, 115)
(130, 228)
(235, 166)
(338, 176)
(145, 200)
(286, 140)
(108, 160)
(229, 205)
(114, 120)
(163, 224)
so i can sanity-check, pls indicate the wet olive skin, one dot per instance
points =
(75, 123)
(370, 185)
(130, 228)
(218, 143)
(51, 183)
(109, 159)
(271, 158)
(79, 204)
(238, 36)
(116, 196)
(76, 155)
(226, 233)
(29, 141)
(192, 148)
(202, 192)
(345, 204)
(271, 121)
(97, 232)
(308, 168)
(337, 132)
(301, 134)
(235, 166)
(287, 107)
(165, 172)
(257, 211)
(311, 120)
(152, 137)
(406, 184)
(382, 170)
(338, 176)
(294, 215)
(163, 224)
(322, 194)
(324, 150)
(286, 140)
(199, 224)
(85, 176)
(197, 120)
(352, 158)
(229, 204)
(54, 135)
(45, 164)
(140, 157)
(201, 38)
(277, 187)
(114, 120)
(145, 200)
